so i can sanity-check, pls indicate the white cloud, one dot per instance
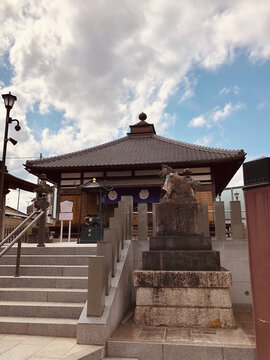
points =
(102, 63)
(188, 87)
(205, 140)
(225, 90)
(215, 116)
(197, 122)
(236, 89)
(188, 93)
(261, 105)
(222, 114)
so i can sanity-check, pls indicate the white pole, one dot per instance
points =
(69, 230)
(61, 231)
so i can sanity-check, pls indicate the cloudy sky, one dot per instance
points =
(82, 71)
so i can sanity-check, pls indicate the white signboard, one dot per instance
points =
(66, 206)
(66, 216)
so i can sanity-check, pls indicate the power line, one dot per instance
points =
(24, 157)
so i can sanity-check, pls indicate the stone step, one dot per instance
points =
(131, 349)
(38, 326)
(41, 309)
(180, 242)
(195, 260)
(63, 282)
(44, 294)
(46, 270)
(84, 352)
(46, 260)
(52, 249)
(158, 350)
(119, 358)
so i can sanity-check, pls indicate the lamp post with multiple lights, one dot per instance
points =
(9, 101)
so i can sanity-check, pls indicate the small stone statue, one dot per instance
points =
(175, 184)
(42, 191)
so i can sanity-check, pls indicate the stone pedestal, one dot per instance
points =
(179, 217)
(184, 298)
(182, 283)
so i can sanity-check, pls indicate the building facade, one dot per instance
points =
(131, 165)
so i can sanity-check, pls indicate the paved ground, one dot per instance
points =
(21, 347)
(241, 336)
(64, 243)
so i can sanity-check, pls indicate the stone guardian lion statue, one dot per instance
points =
(175, 184)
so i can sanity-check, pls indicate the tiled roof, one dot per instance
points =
(13, 182)
(138, 150)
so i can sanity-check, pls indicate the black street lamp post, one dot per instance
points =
(9, 101)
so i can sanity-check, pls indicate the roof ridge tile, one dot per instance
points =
(194, 146)
(78, 152)
(130, 150)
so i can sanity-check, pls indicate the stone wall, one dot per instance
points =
(234, 257)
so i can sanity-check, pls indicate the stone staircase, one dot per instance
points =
(119, 358)
(48, 297)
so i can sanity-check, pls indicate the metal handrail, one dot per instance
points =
(18, 239)
(18, 227)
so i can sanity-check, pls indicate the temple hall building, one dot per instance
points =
(130, 166)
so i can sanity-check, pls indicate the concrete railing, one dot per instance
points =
(236, 225)
(237, 231)
(110, 285)
(103, 266)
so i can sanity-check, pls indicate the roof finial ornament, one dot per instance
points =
(142, 116)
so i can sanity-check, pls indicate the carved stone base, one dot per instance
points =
(184, 317)
(178, 217)
(184, 299)
(179, 279)
(182, 283)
